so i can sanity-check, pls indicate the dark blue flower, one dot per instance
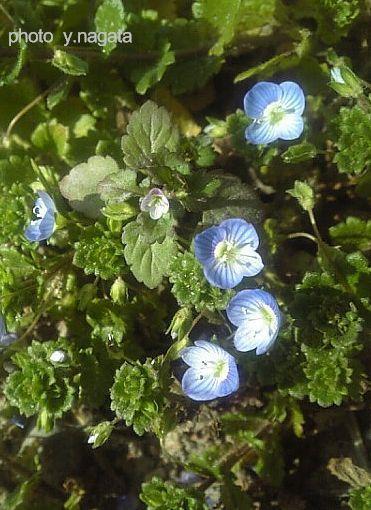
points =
(42, 227)
(276, 111)
(227, 253)
(258, 320)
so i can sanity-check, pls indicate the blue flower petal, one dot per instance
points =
(48, 201)
(231, 383)
(222, 275)
(259, 97)
(206, 242)
(292, 97)
(250, 261)
(248, 302)
(198, 387)
(42, 229)
(240, 232)
(262, 132)
(290, 127)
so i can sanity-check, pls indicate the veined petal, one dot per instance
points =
(246, 338)
(250, 261)
(223, 275)
(259, 97)
(198, 387)
(240, 232)
(231, 383)
(290, 127)
(39, 230)
(247, 304)
(292, 97)
(205, 244)
(261, 132)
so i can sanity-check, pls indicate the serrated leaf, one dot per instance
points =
(9, 73)
(120, 186)
(80, 186)
(149, 131)
(304, 195)
(149, 250)
(70, 64)
(298, 153)
(223, 16)
(354, 233)
(110, 17)
(145, 76)
(58, 93)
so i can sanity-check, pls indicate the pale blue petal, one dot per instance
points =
(262, 132)
(206, 242)
(246, 339)
(259, 97)
(246, 304)
(192, 356)
(292, 97)
(214, 352)
(8, 339)
(39, 230)
(231, 383)
(198, 387)
(222, 275)
(240, 232)
(290, 127)
(251, 262)
(48, 201)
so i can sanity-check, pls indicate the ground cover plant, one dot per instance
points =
(184, 241)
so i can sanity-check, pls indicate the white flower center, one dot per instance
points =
(274, 112)
(218, 369)
(226, 252)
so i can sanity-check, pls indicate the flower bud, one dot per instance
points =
(181, 323)
(345, 82)
(119, 291)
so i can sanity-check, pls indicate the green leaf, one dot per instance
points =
(99, 253)
(146, 76)
(271, 66)
(137, 397)
(110, 17)
(108, 320)
(149, 131)
(150, 248)
(160, 495)
(70, 64)
(9, 73)
(100, 433)
(149, 262)
(354, 140)
(59, 92)
(353, 233)
(223, 16)
(52, 137)
(298, 153)
(120, 186)
(80, 186)
(84, 125)
(304, 194)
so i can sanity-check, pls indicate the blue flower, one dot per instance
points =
(6, 338)
(43, 227)
(276, 111)
(227, 253)
(212, 373)
(258, 319)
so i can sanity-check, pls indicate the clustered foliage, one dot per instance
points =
(103, 308)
